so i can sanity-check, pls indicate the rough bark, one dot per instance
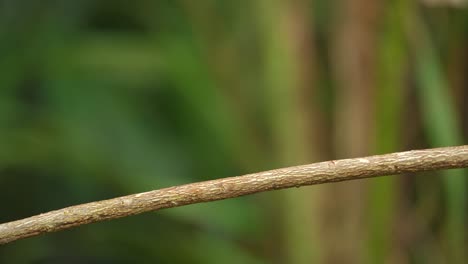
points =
(316, 173)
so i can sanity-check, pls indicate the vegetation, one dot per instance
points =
(100, 99)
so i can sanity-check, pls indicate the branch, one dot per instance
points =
(316, 173)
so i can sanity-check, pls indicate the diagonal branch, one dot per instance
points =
(316, 173)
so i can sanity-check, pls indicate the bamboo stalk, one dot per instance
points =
(316, 173)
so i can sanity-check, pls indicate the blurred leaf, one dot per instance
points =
(383, 193)
(442, 128)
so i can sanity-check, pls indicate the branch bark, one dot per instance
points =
(316, 173)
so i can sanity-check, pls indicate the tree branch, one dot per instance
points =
(316, 173)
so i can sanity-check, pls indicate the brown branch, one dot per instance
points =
(316, 173)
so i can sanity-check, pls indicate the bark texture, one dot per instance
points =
(316, 173)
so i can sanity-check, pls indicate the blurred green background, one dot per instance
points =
(100, 99)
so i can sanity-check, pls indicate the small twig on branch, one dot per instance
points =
(316, 173)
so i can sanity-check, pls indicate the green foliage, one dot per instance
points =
(105, 98)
